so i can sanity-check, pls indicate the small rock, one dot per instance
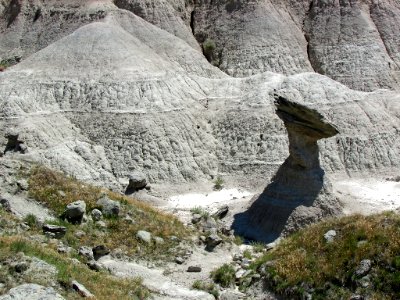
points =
(330, 236)
(101, 224)
(158, 240)
(86, 252)
(213, 241)
(194, 269)
(62, 194)
(364, 282)
(109, 207)
(100, 251)
(239, 274)
(144, 236)
(96, 214)
(23, 184)
(221, 212)
(356, 297)
(137, 181)
(55, 230)
(94, 265)
(82, 291)
(237, 257)
(5, 203)
(196, 218)
(79, 234)
(129, 220)
(179, 260)
(363, 268)
(74, 212)
(63, 249)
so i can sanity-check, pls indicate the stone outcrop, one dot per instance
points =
(299, 193)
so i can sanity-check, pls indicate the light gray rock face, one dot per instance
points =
(123, 95)
(33, 292)
(353, 42)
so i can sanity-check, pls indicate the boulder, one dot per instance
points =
(221, 212)
(74, 212)
(109, 207)
(144, 236)
(99, 251)
(137, 181)
(212, 241)
(96, 214)
(55, 230)
(32, 292)
(81, 290)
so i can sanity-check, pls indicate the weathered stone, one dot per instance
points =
(81, 290)
(158, 240)
(109, 207)
(196, 218)
(194, 269)
(144, 236)
(212, 241)
(94, 265)
(96, 214)
(221, 212)
(32, 292)
(363, 268)
(137, 181)
(179, 260)
(86, 252)
(99, 251)
(329, 236)
(58, 231)
(75, 211)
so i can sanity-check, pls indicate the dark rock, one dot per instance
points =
(5, 203)
(137, 181)
(100, 251)
(58, 231)
(194, 269)
(74, 212)
(21, 266)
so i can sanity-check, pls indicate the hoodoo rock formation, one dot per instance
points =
(299, 193)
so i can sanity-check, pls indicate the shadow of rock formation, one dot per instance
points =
(299, 193)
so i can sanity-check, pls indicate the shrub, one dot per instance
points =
(31, 220)
(208, 287)
(218, 183)
(224, 275)
(208, 49)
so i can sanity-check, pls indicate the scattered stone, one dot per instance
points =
(212, 241)
(86, 252)
(5, 203)
(364, 282)
(32, 292)
(221, 212)
(356, 297)
(137, 181)
(101, 224)
(158, 240)
(54, 230)
(94, 265)
(361, 243)
(109, 207)
(237, 257)
(20, 266)
(363, 268)
(239, 274)
(128, 219)
(100, 251)
(179, 260)
(144, 236)
(330, 236)
(202, 238)
(62, 194)
(196, 218)
(194, 269)
(24, 226)
(96, 214)
(82, 291)
(74, 212)
(23, 184)
(79, 234)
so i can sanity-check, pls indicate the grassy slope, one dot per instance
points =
(305, 262)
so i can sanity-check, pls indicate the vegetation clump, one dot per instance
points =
(224, 275)
(55, 190)
(306, 263)
(208, 287)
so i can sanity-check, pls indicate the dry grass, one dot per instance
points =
(306, 259)
(103, 286)
(45, 186)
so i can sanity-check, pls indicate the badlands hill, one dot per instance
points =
(277, 97)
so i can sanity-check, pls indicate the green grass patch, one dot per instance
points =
(224, 275)
(55, 190)
(103, 286)
(305, 259)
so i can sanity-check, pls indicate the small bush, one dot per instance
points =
(31, 220)
(208, 287)
(238, 240)
(224, 275)
(218, 183)
(208, 49)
